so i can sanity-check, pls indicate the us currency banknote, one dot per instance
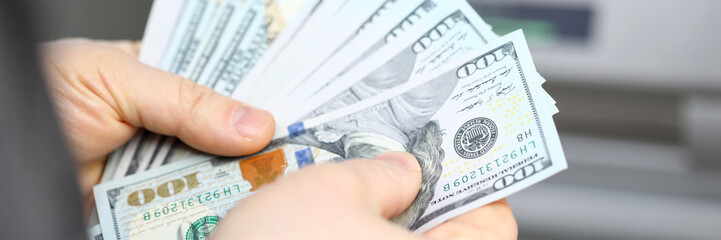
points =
(454, 29)
(353, 26)
(233, 26)
(320, 16)
(474, 127)
(240, 44)
(191, 28)
(390, 20)
(302, 17)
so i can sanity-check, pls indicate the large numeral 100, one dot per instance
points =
(166, 189)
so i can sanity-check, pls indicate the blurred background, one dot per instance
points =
(638, 83)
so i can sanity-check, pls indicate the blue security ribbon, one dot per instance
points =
(304, 157)
(296, 129)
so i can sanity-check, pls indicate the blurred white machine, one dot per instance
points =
(670, 46)
(660, 65)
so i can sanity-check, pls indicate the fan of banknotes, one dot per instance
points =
(344, 79)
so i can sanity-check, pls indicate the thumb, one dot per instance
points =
(166, 103)
(384, 186)
(389, 182)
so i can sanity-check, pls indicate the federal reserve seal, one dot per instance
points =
(475, 137)
(202, 228)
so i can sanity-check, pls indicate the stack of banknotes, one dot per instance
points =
(344, 79)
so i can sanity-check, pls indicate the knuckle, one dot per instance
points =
(191, 97)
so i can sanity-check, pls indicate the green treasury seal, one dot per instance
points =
(202, 228)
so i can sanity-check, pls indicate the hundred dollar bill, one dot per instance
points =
(454, 29)
(473, 126)
(192, 27)
(313, 17)
(236, 26)
(384, 25)
(354, 24)
(362, 47)
(302, 15)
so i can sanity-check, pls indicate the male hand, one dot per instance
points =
(353, 200)
(103, 94)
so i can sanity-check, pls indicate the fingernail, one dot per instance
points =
(406, 160)
(249, 121)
